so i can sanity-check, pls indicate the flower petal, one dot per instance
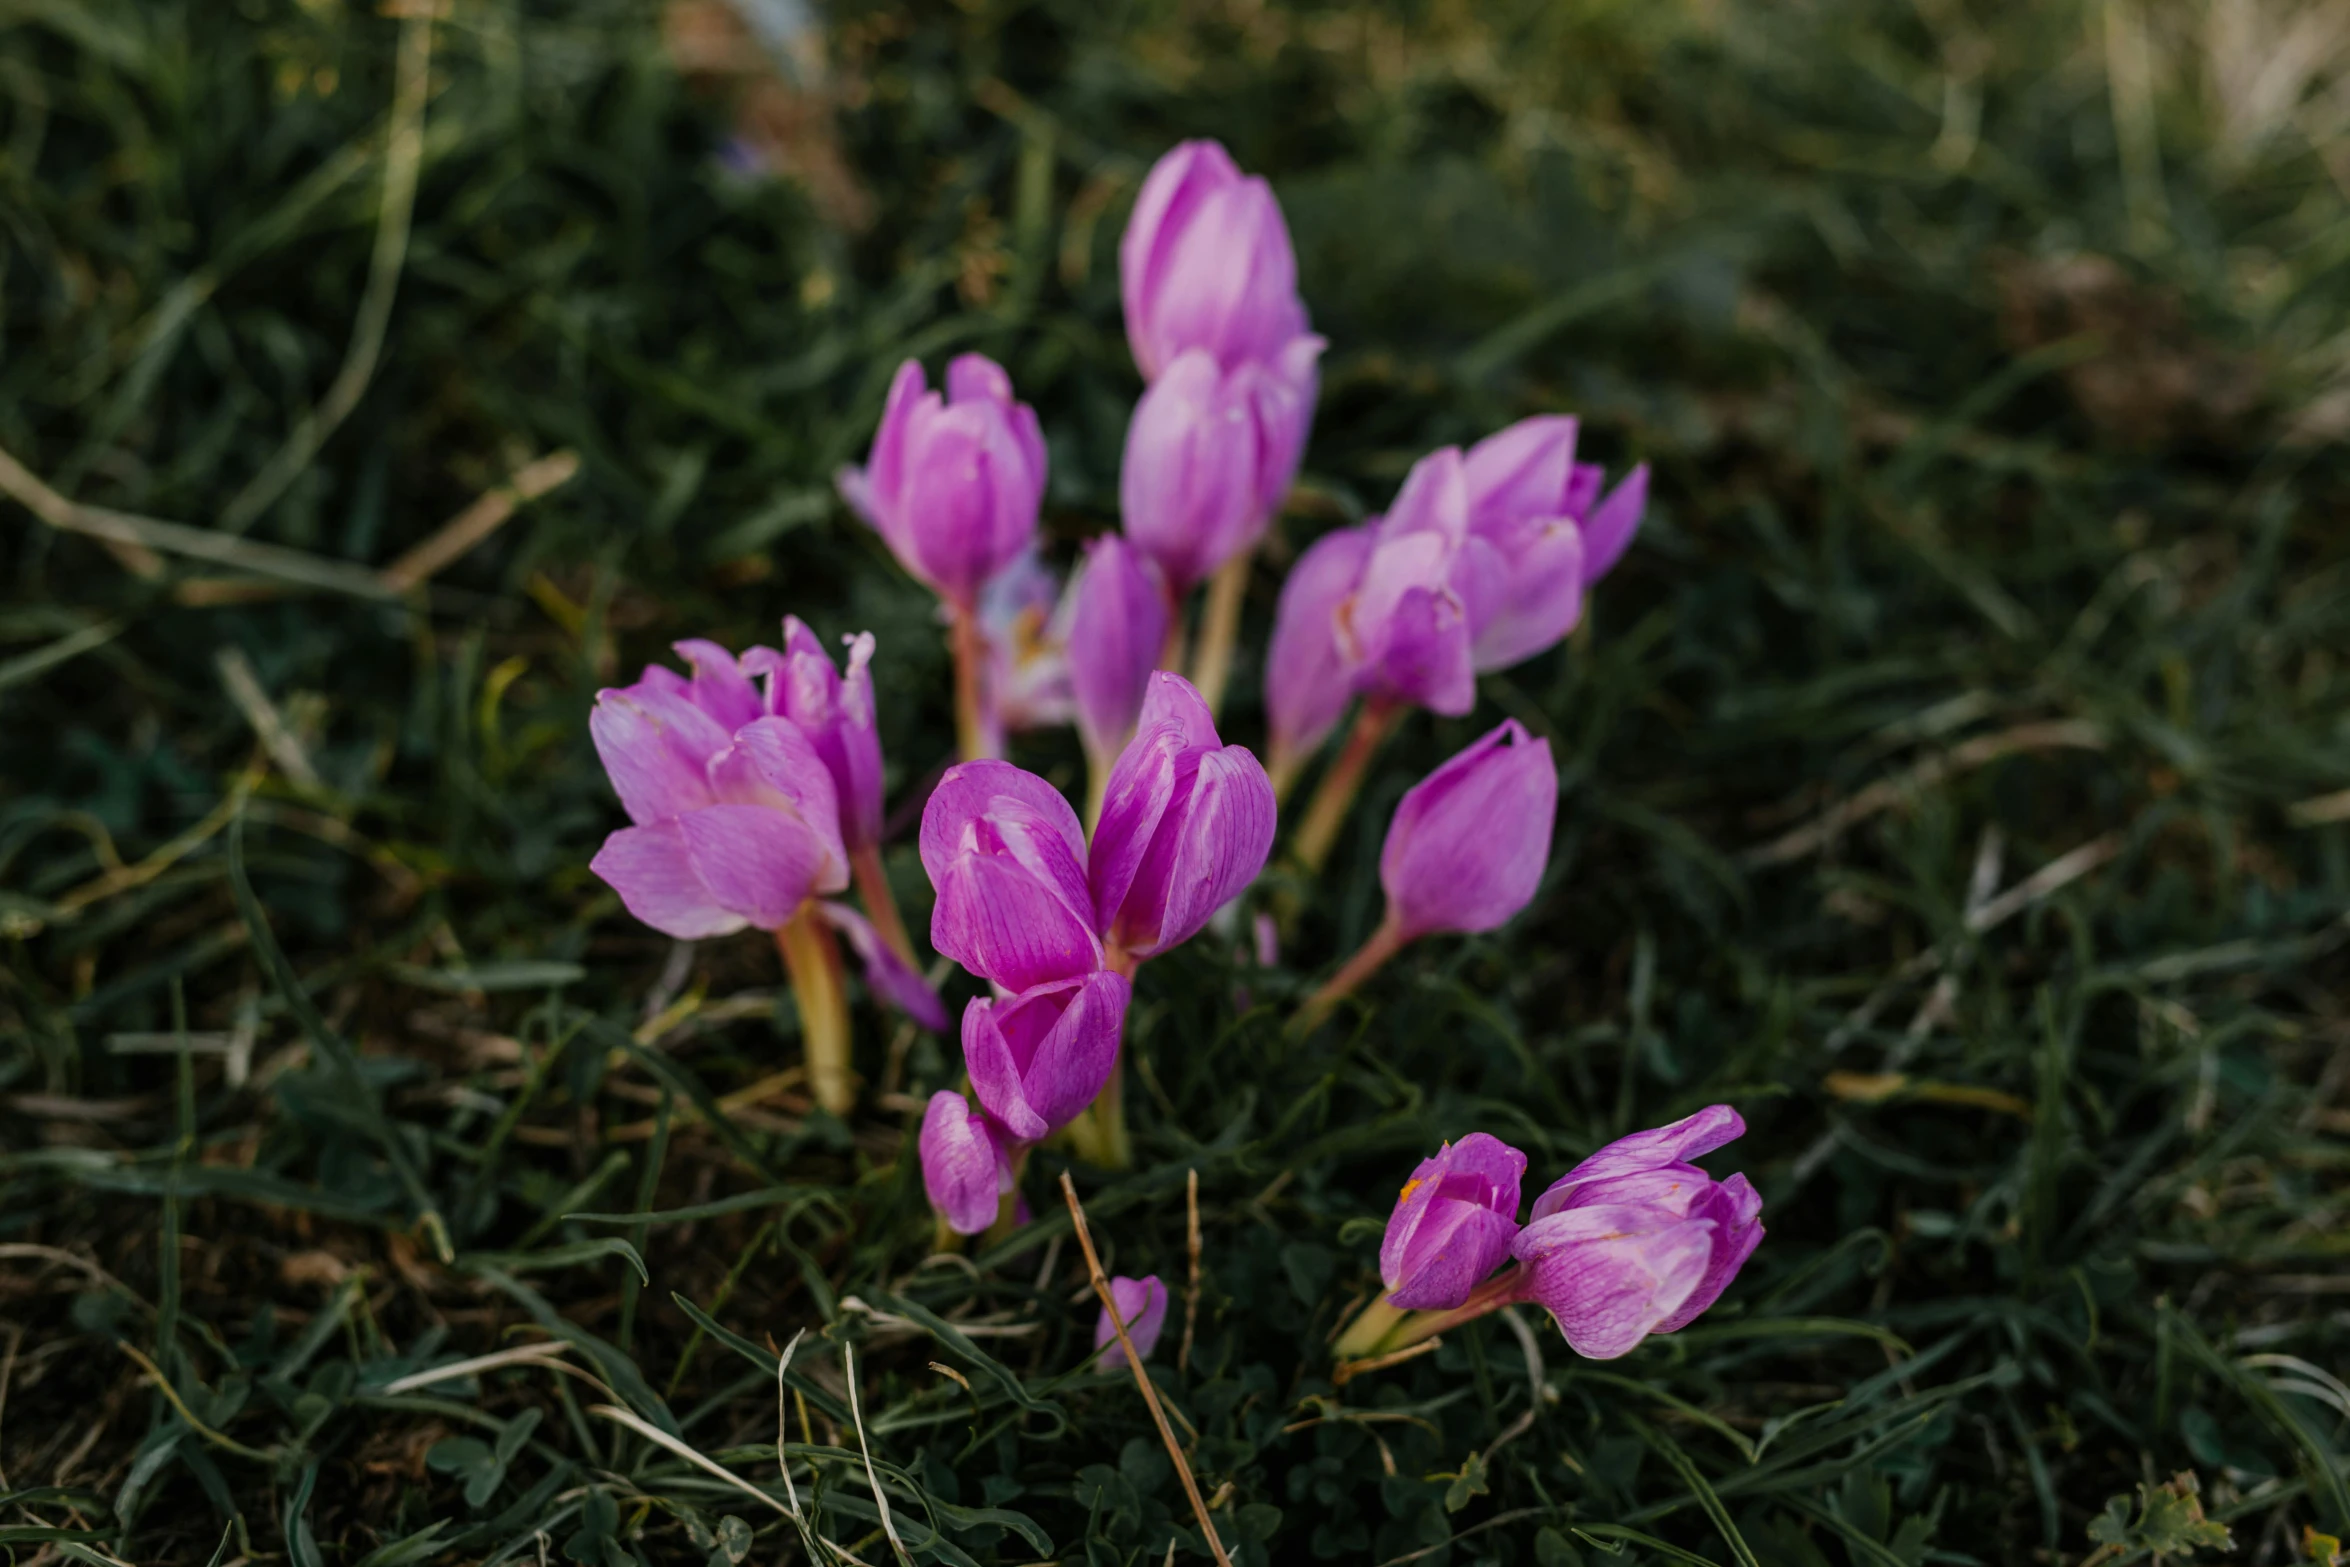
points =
(654, 874)
(888, 975)
(1608, 1283)
(964, 1165)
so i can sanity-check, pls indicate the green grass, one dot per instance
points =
(1991, 363)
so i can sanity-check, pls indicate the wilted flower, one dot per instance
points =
(1185, 827)
(964, 1165)
(952, 484)
(1038, 1058)
(1117, 624)
(1210, 455)
(1636, 1240)
(1206, 263)
(1469, 842)
(1453, 1223)
(1142, 1311)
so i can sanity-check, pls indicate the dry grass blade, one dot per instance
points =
(1191, 1289)
(663, 1440)
(126, 530)
(2055, 734)
(521, 1355)
(848, 1360)
(1142, 1378)
(467, 530)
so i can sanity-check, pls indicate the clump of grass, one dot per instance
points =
(1953, 783)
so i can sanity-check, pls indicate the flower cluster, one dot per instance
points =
(1634, 1240)
(1058, 926)
(754, 785)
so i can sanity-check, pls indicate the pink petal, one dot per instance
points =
(654, 874)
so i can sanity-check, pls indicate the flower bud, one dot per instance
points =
(1186, 825)
(1206, 263)
(1006, 856)
(1636, 1240)
(1468, 843)
(1117, 627)
(1142, 1311)
(1453, 1223)
(964, 1165)
(952, 485)
(1038, 1058)
(1210, 455)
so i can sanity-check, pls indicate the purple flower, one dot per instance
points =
(1142, 1311)
(1308, 681)
(1536, 538)
(1210, 455)
(964, 1166)
(742, 814)
(1116, 629)
(1206, 263)
(1007, 858)
(1037, 1059)
(1406, 630)
(1453, 1223)
(1481, 562)
(1636, 1240)
(1186, 825)
(952, 484)
(1468, 843)
(835, 710)
(737, 821)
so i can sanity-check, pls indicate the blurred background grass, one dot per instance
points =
(1953, 774)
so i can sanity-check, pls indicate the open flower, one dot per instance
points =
(1453, 1223)
(1636, 1240)
(1185, 827)
(740, 813)
(952, 484)
(1481, 562)
(737, 821)
(1206, 262)
(1142, 1311)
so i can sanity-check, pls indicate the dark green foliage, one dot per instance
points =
(1990, 361)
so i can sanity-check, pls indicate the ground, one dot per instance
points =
(1952, 778)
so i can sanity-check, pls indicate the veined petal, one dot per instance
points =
(1608, 531)
(757, 862)
(1689, 1138)
(654, 874)
(964, 1165)
(1608, 1283)
(1142, 1311)
(655, 745)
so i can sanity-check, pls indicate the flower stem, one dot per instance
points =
(1008, 1205)
(1383, 1328)
(812, 959)
(1384, 943)
(1219, 628)
(1097, 786)
(881, 905)
(1099, 1135)
(972, 740)
(1336, 796)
